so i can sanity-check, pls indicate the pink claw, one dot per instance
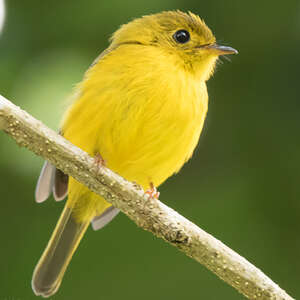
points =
(152, 192)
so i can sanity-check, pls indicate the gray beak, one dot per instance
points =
(221, 50)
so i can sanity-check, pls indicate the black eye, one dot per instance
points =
(181, 36)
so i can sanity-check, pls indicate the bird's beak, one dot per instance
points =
(221, 50)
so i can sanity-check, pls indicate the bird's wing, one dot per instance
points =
(60, 185)
(54, 180)
(45, 183)
(51, 180)
(101, 220)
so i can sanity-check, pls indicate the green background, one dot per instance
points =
(242, 184)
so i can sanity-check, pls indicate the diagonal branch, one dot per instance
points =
(150, 214)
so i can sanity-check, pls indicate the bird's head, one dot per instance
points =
(185, 36)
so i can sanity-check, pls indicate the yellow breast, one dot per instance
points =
(141, 112)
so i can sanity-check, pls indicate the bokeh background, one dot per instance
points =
(242, 184)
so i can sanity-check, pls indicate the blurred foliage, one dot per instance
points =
(242, 184)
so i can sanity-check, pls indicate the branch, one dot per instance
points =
(148, 213)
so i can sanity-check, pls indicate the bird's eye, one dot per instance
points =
(181, 36)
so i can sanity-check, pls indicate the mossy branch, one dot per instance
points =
(150, 214)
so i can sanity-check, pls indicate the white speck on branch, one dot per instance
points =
(150, 214)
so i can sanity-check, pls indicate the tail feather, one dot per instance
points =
(52, 265)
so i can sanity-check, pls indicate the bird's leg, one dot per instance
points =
(152, 192)
(99, 160)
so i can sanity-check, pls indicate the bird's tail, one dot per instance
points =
(52, 265)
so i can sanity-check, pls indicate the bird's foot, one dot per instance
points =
(152, 192)
(99, 161)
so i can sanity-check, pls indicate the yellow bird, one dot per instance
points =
(141, 106)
